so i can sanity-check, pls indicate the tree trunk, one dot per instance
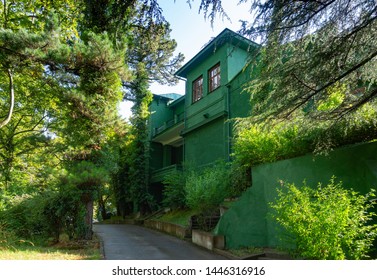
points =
(11, 98)
(89, 220)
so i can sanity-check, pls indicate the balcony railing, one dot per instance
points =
(170, 123)
(159, 174)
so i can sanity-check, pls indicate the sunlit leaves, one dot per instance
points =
(336, 95)
(327, 222)
(260, 143)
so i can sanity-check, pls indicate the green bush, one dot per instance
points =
(64, 212)
(207, 189)
(273, 140)
(24, 217)
(9, 241)
(327, 222)
(45, 215)
(174, 195)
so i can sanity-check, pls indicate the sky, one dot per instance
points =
(191, 32)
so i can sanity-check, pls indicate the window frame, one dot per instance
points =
(212, 78)
(197, 89)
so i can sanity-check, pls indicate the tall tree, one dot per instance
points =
(310, 47)
(71, 81)
(151, 57)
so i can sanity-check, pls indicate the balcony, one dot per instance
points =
(168, 124)
(159, 175)
(170, 132)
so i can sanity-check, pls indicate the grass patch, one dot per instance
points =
(71, 250)
(178, 217)
(246, 251)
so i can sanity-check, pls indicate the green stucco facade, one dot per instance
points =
(246, 223)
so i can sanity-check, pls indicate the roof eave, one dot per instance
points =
(219, 40)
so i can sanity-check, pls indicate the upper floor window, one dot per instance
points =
(214, 77)
(197, 89)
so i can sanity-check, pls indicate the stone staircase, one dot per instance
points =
(204, 222)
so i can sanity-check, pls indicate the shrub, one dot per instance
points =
(327, 222)
(24, 217)
(207, 189)
(64, 212)
(174, 190)
(276, 140)
(45, 215)
(257, 143)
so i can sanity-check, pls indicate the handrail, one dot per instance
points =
(177, 119)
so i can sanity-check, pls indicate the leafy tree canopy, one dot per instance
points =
(310, 47)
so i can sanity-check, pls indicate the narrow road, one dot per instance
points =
(130, 242)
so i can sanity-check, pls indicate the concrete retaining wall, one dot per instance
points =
(208, 240)
(173, 229)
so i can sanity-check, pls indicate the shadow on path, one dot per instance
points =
(131, 242)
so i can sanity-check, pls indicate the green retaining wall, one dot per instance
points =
(246, 223)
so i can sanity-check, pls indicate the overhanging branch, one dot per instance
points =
(11, 98)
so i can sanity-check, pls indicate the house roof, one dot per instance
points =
(172, 96)
(177, 101)
(226, 36)
(168, 97)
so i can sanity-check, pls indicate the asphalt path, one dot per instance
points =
(131, 242)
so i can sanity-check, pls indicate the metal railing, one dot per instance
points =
(177, 119)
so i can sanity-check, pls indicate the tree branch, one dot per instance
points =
(332, 82)
(11, 98)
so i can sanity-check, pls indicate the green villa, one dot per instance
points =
(195, 128)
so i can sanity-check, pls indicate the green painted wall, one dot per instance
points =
(160, 112)
(246, 223)
(236, 60)
(207, 140)
(239, 98)
(156, 158)
(206, 145)
(219, 55)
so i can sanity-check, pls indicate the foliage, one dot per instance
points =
(239, 178)
(206, 189)
(24, 217)
(44, 215)
(150, 55)
(174, 189)
(8, 240)
(327, 222)
(261, 143)
(179, 185)
(120, 179)
(63, 212)
(308, 47)
(179, 217)
(335, 97)
(86, 176)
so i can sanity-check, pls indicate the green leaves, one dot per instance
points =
(310, 47)
(174, 189)
(272, 141)
(207, 189)
(327, 222)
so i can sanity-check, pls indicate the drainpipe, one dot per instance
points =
(228, 122)
(184, 115)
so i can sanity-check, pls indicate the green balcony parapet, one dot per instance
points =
(159, 174)
(168, 124)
